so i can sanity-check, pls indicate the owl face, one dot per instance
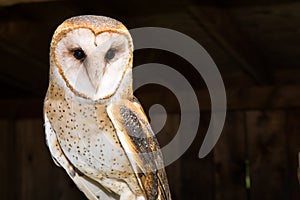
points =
(93, 64)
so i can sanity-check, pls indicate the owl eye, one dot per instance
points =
(78, 54)
(110, 54)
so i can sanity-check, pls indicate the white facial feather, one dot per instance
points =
(94, 76)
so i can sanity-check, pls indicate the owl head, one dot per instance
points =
(92, 56)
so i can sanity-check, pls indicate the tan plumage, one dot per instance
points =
(95, 128)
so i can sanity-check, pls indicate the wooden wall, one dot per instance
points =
(255, 158)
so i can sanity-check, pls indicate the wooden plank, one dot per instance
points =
(252, 98)
(229, 158)
(5, 154)
(22, 108)
(12, 2)
(174, 174)
(222, 27)
(164, 136)
(197, 178)
(269, 97)
(29, 72)
(272, 28)
(236, 79)
(266, 141)
(39, 177)
(293, 141)
(287, 76)
(198, 174)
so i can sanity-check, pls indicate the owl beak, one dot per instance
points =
(95, 74)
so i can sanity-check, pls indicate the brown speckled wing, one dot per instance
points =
(141, 147)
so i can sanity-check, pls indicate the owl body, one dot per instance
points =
(95, 128)
(87, 137)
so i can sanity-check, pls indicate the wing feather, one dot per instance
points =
(141, 147)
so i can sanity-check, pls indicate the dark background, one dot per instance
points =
(255, 45)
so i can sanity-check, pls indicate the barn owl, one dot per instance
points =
(95, 128)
